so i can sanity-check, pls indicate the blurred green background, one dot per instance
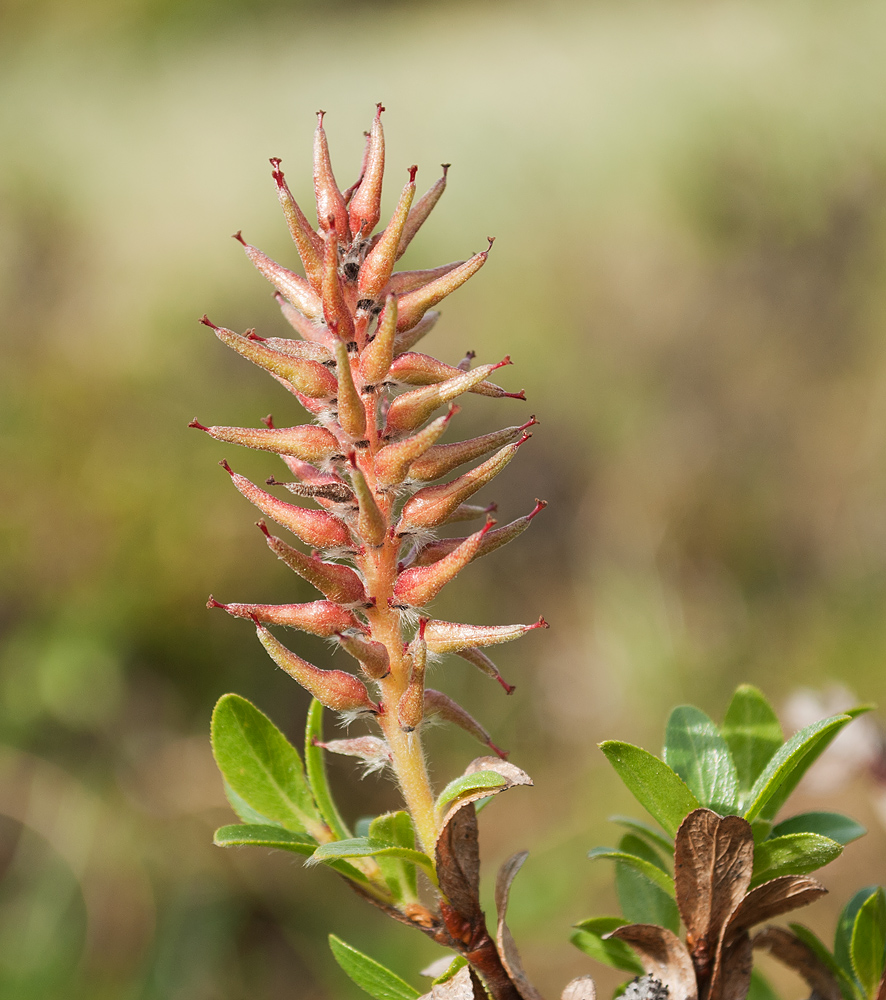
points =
(690, 205)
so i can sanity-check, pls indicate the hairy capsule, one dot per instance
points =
(443, 707)
(306, 442)
(323, 618)
(444, 458)
(364, 209)
(417, 586)
(336, 582)
(441, 548)
(451, 637)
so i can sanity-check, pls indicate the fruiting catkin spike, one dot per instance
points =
(364, 208)
(442, 706)
(351, 412)
(338, 316)
(307, 242)
(379, 263)
(316, 528)
(407, 281)
(414, 305)
(393, 463)
(433, 505)
(337, 690)
(416, 586)
(444, 458)
(309, 378)
(451, 637)
(332, 213)
(421, 210)
(306, 441)
(480, 660)
(376, 358)
(412, 408)
(289, 284)
(372, 656)
(442, 547)
(335, 582)
(372, 525)
(410, 707)
(322, 618)
(412, 368)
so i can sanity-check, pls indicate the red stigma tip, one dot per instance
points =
(422, 625)
(255, 620)
(509, 688)
(378, 110)
(491, 522)
(413, 170)
(453, 409)
(506, 360)
(263, 528)
(445, 167)
(490, 240)
(501, 753)
(516, 395)
(531, 422)
(268, 421)
(522, 440)
(539, 507)
(320, 115)
(252, 335)
(196, 423)
(275, 162)
(223, 463)
(238, 236)
(206, 321)
(213, 603)
(541, 623)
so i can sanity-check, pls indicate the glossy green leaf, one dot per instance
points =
(642, 901)
(260, 835)
(789, 764)
(651, 872)
(468, 783)
(753, 734)
(847, 984)
(261, 765)
(315, 766)
(760, 988)
(792, 854)
(662, 793)
(845, 925)
(646, 832)
(695, 750)
(588, 937)
(868, 942)
(363, 847)
(244, 810)
(834, 825)
(371, 976)
(396, 829)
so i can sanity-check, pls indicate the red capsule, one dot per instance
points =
(409, 338)
(376, 357)
(421, 369)
(365, 206)
(306, 442)
(376, 269)
(307, 242)
(289, 284)
(442, 706)
(419, 585)
(331, 209)
(410, 707)
(442, 547)
(414, 305)
(402, 282)
(451, 637)
(482, 662)
(394, 461)
(315, 332)
(335, 582)
(335, 309)
(372, 525)
(444, 458)
(421, 210)
(351, 411)
(322, 618)
(372, 656)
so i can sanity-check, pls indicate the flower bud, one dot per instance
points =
(402, 282)
(289, 284)
(306, 442)
(440, 548)
(443, 458)
(307, 377)
(417, 586)
(410, 707)
(374, 752)
(409, 338)
(433, 505)
(322, 618)
(376, 357)
(372, 656)
(412, 408)
(365, 207)
(379, 263)
(335, 309)
(451, 637)
(337, 690)
(372, 525)
(421, 369)
(335, 582)
(316, 528)
(420, 211)
(442, 706)
(414, 305)
(351, 412)
(307, 242)
(394, 461)
(482, 662)
(332, 213)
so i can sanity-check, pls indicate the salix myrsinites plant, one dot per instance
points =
(719, 861)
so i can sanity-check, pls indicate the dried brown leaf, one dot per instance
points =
(881, 989)
(797, 955)
(580, 989)
(731, 978)
(713, 861)
(457, 858)
(782, 894)
(507, 948)
(663, 955)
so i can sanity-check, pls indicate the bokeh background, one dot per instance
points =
(690, 205)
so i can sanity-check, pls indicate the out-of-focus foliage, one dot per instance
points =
(689, 274)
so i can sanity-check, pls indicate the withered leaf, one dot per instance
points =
(731, 978)
(510, 772)
(507, 949)
(713, 862)
(797, 955)
(457, 858)
(788, 892)
(663, 955)
(462, 986)
(580, 989)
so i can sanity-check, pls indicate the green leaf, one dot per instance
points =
(752, 733)
(458, 963)
(840, 828)
(315, 766)
(845, 925)
(760, 988)
(695, 750)
(361, 827)
(792, 854)
(261, 765)
(789, 764)
(363, 847)
(848, 986)
(396, 829)
(466, 784)
(643, 902)
(369, 975)
(261, 835)
(651, 872)
(868, 943)
(662, 793)
(588, 937)
(244, 810)
(645, 832)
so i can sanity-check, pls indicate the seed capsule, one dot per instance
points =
(376, 269)
(372, 656)
(414, 305)
(451, 637)
(307, 242)
(316, 332)
(444, 458)
(289, 284)
(422, 584)
(364, 209)
(372, 525)
(335, 309)
(421, 369)
(482, 662)
(376, 357)
(410, 707)
(409, 338)
(394, 462)
(402, 282)
(421, 210)
(442, 706)
(322, 618)
(306, 442)
(332, 213)
(441, 548)
(336, 582)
